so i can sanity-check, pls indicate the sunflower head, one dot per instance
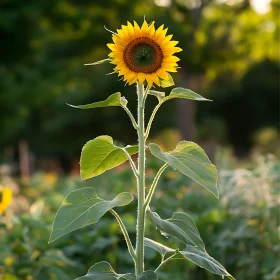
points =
(143, 54)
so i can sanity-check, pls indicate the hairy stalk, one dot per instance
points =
(133, 167)
(125, 234)
(141, 212)
(131, 117)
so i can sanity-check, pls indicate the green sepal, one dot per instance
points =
(100, 154)
(190, 159)
(113, 100)
(83, 207)
(167, 82)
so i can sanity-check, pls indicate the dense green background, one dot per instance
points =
(230, 54)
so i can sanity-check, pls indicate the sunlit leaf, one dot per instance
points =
(113, 100)
(83, 207)
(162, 249)
(100, 154)
(203, 260)
(191, 160)
(185, 93)
(180, 226)
(106, 60)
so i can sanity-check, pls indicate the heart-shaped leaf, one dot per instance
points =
(162, 249)
(100, 154)
(180, 226)
(191, 160)
(186, 94)
(113, 100)
(83, 207)
(106, 60)
(203, 260)
(104, 271)
(167, 82)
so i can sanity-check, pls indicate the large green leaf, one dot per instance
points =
(192, 254)
(191, 160)
(83, 207)
(185, 93)
(113, 100)
(162, 249)
(180, 226)
(104, 271)
(100, 154)
(203, 260)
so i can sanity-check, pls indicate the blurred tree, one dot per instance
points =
(45, 44)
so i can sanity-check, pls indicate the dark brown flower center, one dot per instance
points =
(143, 55)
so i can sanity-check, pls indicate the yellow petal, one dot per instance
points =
(167, 39)
(162, 73)
(158, 31)
(136, 29)
(141, 77)
(130, 30)
(149, 78)
(156, 79)
(151, 31)
(170, 59)
(144, 29)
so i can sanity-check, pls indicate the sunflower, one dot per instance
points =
(5, 199)
(143, 54)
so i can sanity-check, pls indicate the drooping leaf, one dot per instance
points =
(180, 226)
(168, 82)
(203, 260)
(186, 94)
(83, 207)
(100, 154)
(192, 161)
(113, 100)
(106, 60)
(162, 249)
(104, 271)
(194, 255)
(148, 275)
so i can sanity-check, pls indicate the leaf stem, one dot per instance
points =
(134, 123)
(153, 186)
(141, 211)
(125, 233)
(164, 262)
(134, 169)
(151, 119)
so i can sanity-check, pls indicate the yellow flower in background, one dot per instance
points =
(5, 199)
(143, 54)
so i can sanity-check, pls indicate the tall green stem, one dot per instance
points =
(141, 213)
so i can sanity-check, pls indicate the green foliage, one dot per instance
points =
(101, 154)
(82, 208)
(168, 82)
(191, 160)
(186, 94)
(113, 100)
(104, 271)
(235, 228)
(180, 226)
